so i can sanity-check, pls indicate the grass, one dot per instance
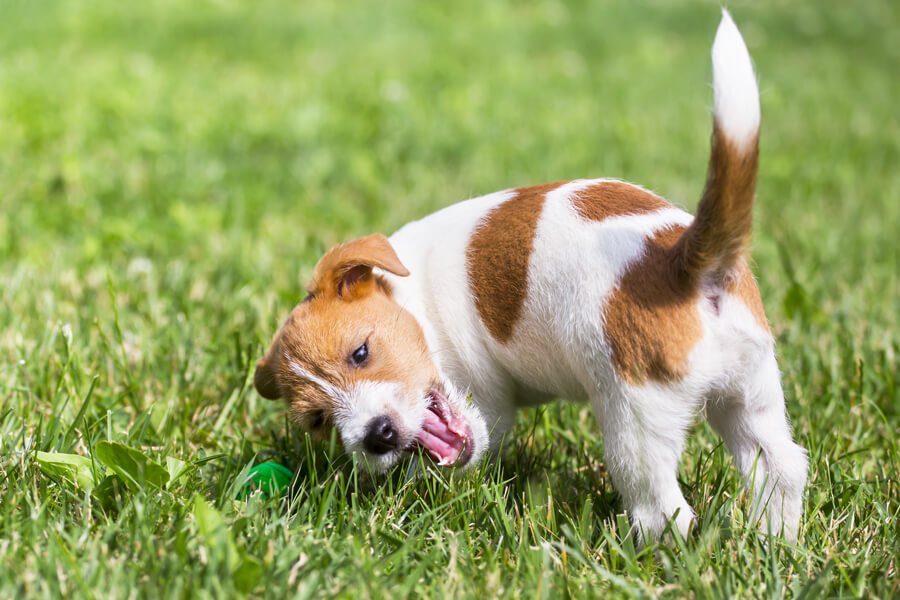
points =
(170, 172)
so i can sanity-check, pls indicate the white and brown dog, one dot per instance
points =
(593, 290)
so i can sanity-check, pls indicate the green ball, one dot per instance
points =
(273, 479)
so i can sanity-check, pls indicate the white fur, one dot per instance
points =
(734, 85)
(332, 391)
(370, 399)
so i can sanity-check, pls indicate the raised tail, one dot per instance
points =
(714, 243)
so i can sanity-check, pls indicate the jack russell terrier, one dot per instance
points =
(593, 290)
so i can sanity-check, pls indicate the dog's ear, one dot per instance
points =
(265, 379)
(345, 269)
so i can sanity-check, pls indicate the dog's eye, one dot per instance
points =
(360, 355)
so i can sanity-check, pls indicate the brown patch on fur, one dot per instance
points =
(715, 241)
(615, 198)
(743, 285)
(651, 320)
(497, 259)
(338, 317)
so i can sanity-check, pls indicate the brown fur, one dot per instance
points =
(744, 287)
(615, 198)
(340, 316)
(497, 259)
(651, 320)
(715, 241)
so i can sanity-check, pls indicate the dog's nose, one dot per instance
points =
(381, 436)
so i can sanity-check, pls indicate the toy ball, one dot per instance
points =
(273, 479)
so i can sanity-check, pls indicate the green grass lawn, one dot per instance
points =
(171, 171)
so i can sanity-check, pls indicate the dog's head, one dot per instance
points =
(349, 356)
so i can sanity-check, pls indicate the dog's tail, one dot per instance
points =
(713, 244)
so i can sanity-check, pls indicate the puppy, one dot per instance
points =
(592, 290)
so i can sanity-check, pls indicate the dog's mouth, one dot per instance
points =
(445, 436)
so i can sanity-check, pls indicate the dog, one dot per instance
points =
(590, 290)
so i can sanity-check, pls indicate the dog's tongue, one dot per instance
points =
(444, 441)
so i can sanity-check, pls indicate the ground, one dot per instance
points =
(171, 171)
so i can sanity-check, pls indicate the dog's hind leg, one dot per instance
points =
(755, 427)
(643, 436)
